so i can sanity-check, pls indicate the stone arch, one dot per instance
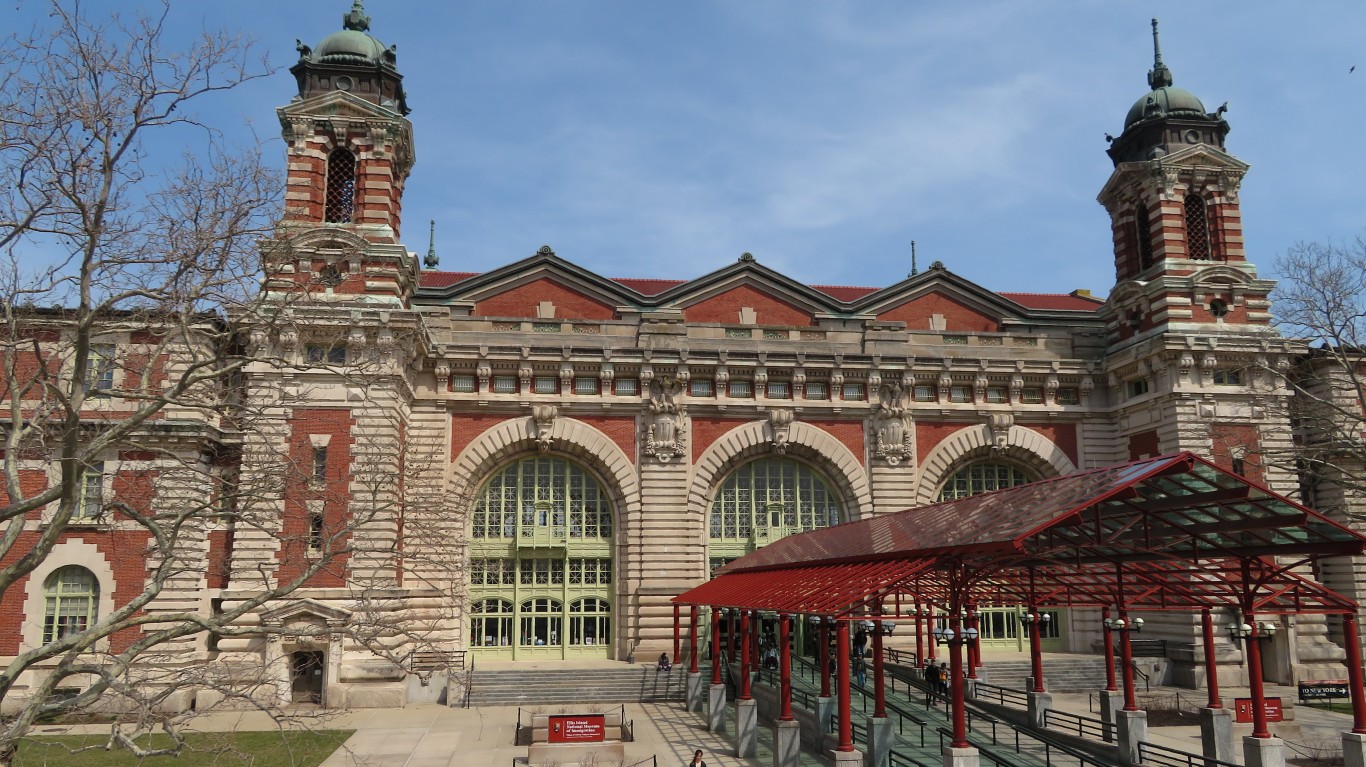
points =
(73, 551)
(1022, 445)
(815, 445)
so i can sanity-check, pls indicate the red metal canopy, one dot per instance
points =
(1174, 532)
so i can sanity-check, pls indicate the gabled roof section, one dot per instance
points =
(448, 286)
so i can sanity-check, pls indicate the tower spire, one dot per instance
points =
(914, 270)
(431, 260)
(1159, 76)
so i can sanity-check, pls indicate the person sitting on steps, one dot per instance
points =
(665, 664)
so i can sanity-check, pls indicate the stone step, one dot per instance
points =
(628, 684)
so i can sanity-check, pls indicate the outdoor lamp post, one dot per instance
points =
(1120, 624)
(1251, 632)
(1033, 621)
(822, 651)
(1126, 627)
(887, 628)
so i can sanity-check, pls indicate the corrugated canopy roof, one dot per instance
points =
(1182, 530)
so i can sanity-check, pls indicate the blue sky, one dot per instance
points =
(645, 138)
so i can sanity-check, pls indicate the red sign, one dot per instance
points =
(1242, 708)
(578, 728)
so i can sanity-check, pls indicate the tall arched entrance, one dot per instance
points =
(540, 582)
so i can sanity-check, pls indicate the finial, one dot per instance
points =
(914, 270)
(1159, 76)
(431, 260)
(356, 19)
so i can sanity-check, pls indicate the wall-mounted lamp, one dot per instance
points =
(1265, 630)
(1119, 624)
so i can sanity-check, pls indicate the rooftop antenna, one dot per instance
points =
(914, 270)
(431, 260)
(1160, 76)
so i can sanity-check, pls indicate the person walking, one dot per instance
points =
(697, 759)
(944, 679)
(860, 670)
(931, 682)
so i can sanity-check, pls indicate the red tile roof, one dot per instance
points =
(648, 287)
(845, 292)
(443, 279)
(1064, 301)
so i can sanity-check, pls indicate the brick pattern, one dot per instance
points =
(1143, 445)
(724, 308)
(335, 494)
(850, 433)
(620, 429)
(1237, 440)
(958, 316)
(522, 300)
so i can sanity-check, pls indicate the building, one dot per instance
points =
(532, 460)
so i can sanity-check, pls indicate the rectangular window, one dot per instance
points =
(505, 384)
(545, 385)
(1032, 395)
(775, 334)
(541, 572)
(332, 355)
(741, 389)
(91, 499)
(925, 393)
(956, 340)
(816, 390)
(700, 387)
(315, 530)
(853, 391)
(585, 385)
(739, 333)
(463, 383)
(626, 387)
(320, 464)
(960, 394)
(996, 394)
(1225, 377)
(1068, 396)
(99, 368)
(545, 327)
(779, 390)
(1137, 388)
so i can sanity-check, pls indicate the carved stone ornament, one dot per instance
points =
(780, 427)
(664, 434)
(998, 425)
(443, 375)
(891, 423)
(543, 418)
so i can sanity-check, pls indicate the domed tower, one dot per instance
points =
(349, 152)
(1173, 205)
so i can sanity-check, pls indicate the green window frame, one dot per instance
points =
(590, 621)
(541, 622)
(91, 500)
(72, 597)
(542, 491)
(982, 477)
(491, 623)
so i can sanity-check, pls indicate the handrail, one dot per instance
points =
(652, 761)
(469, 683)
(1002, 695)
(1146, 686)
(1153, 753)
(1069, 722)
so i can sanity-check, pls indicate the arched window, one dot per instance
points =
(590, 621)
(982, 477)
(542, 494)
(1143, 230)
(72, 602)
(340, 205)
(765, 500)
(542, 623)
(1197, 228)
(491, 624)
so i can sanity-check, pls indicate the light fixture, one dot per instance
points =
(970, 634)
(815, 621)
(1028, 618)
(1265, 630)
(1119, 624)
(943, 635)
(888, 627)
(867, 626)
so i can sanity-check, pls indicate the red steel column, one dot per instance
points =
(1035, 648)
(692, 639)
(1108, 639)
(744, 655)
(716, 645)
(756, 628)
(842, 660)
(929, 630)
(1211, 668)
(678, 638)
(919, 637)
(974, 656)
(1354, 683)
(785, 666)
(879, 686)
(1254, 674)
(825, 658)
(1126, 656)
(960, 720)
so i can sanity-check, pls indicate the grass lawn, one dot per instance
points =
(301, 748)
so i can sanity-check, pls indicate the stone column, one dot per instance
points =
(1216, 733)
(1111, 701)
(696, 699)
(716, 709)
(1037, 705)
(1263, 752)
(1132, 728)
(787, 743)
(746, 727)
(880, 735)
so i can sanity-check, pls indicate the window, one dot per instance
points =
(493, 571)
(1031, 395)
(626, 387)
(924, 393)
(700, 387)
(1197, 228)
(775, 334)
(816, 390)
(315, 530)
(960, 394)
(1068, 396)
(540, 623)
(1137, 388)
(779, 390)
(319, 473)
(1239, 466)
(491, 625)
(996, 394)
(505, 384)
(339, 206)
(585, 385)
(332, 355)
(741, 389)
(983, 477)
(462, 383)
(853, 391)
(1218, 308)
(542, 486)
(545, 385)
(590, 621)
(1144, 230)
(99, 369)
(591, 572)
(72, 598)
(767, 499)
(91, 500)
(1226, 377)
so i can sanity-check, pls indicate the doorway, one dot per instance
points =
(306, 677)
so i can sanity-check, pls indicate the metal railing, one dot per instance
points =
(1164, 756)
(469, 683)
(1082, 726)
(1005, 696)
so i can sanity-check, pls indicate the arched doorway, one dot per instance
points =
(540, 576)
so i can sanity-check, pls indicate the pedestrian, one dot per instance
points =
(860, 642)
(931, 682)
(860, 670)
(697, 759)
(944, 679)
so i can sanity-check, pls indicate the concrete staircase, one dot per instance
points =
(537, 687)
(1081, 673)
